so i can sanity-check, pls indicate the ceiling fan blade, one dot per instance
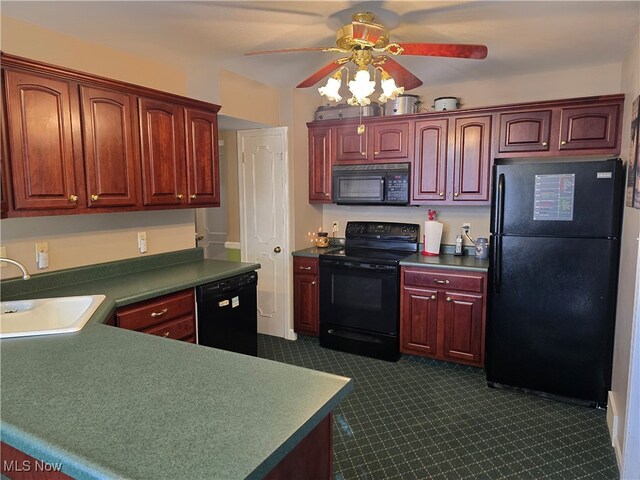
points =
(402, 76)
(445, 50)
(323, 72)
(287, 50)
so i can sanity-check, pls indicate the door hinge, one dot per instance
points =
(243, 157)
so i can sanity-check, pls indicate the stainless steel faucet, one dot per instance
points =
(23, 269)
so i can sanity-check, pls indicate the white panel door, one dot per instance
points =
(262, 164)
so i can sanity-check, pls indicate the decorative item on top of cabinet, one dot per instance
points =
(380, 142)
(442, 314)
(320, 152)
(73, 143)
(169, 316)
(305, 296)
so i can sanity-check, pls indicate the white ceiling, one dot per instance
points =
(522, 37)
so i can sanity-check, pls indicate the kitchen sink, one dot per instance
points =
(46, 316)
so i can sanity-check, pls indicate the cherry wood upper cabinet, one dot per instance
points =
(163, 152)
(351, 146)
(111, 151)
(429, 167)
(41, 142)
(320, 151)
(590, 127)
(525, 131)
(203, 178)
(378, 143)
(391, 141)
(471, 158)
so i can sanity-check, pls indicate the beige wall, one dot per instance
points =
(579, 82)
(248, 99)
(628, 294)
(230, 138)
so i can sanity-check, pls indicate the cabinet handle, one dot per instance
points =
(364, 154)
(563, 142)
(305, 268)
(456, 194)
(94, 197)
(313, 283)
(73, 198)
(179, 196)
(327, 195)
(433, 297)
(159, 314)
(544, 144)
(448, 299)
(376, 153)
(193, 197)
(441, 194)
(446, 282)
(166, 335)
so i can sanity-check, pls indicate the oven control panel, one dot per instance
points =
(407, 232)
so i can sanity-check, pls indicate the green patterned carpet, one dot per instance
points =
(425, 419)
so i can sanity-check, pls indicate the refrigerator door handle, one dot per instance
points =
(499, 213)
(497, 263)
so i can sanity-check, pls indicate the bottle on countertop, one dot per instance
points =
(458, 251)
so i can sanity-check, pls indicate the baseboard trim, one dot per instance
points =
(613, 427)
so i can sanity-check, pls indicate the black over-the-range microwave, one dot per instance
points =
(371, 184)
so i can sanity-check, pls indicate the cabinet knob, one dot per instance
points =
(448, 299)
(159, 314)
(441, 194)
(313, 283)
(364, 154)
(193, 197)
(544, 144)
(73, 198)
(445, 282)
(433, 297)
(563, 142)
(179, 196)
(457, 194)
(166, 334)
(376, 153)
(327, 195)
(94, 197)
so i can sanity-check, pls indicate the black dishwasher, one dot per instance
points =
(227, 314)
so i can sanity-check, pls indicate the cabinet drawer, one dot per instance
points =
(180, 329)
(443, 279)
(144, 315)
(305, 265)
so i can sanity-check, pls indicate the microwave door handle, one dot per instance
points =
(383, 189)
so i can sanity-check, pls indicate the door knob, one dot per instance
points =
(277, 249)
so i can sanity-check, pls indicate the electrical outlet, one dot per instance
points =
(142, 242)
(466, 227)
(42, 255)
(334, 227)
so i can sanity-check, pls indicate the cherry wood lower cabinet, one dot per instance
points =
(306, 293)
(169, 316)
(442, 314)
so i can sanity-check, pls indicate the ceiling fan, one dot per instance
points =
(367, 44)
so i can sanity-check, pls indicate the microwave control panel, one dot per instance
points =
(397, 188)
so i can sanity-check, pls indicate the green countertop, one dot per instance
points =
(113, 403)
(314, 252)
(446, 261)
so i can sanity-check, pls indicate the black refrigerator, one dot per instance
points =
(555, 243)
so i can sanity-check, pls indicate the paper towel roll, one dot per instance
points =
(432, 237)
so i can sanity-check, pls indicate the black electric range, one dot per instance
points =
(360, 289)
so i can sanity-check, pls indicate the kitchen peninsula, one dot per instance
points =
(113, 403)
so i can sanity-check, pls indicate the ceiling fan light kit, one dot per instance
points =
(360, 40)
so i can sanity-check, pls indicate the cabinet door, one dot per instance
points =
(430, 161)
(463, 327)
(525, 131)
(202, 158)
(419, 321)
(320, 150)
(111, 153)
(590, 127)
(390, 141)
(39, 128)
(163, 152)
(305, 304)
(471, 160)
(350, 145)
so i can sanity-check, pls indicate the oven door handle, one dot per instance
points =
(358, 266)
